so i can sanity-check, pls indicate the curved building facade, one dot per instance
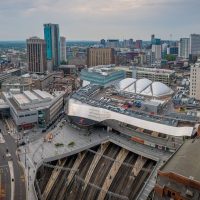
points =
(85, 111)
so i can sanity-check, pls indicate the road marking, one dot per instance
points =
(22, 177)
(0, 185)
(10, 164)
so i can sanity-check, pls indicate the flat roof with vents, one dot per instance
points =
(21, 99)
(43, 94)
(31, 96)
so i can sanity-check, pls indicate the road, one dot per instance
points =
(19, 179)
(5, 189)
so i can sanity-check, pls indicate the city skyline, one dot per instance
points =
(93, 20)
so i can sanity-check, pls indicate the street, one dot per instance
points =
(8, 153)
(5, 183)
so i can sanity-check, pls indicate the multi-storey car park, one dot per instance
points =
(143, 115)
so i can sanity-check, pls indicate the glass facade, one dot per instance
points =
(41, 119)
(52, 38)
(156, 41)
(100, 79)
(48, 39)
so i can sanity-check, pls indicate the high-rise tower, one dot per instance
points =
(52, 38)
(36, 53)
(195, 44)
(184, 45)
(62, 49)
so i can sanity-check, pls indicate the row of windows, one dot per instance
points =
(27, 115)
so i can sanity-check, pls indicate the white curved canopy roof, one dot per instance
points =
(125, 83)
(142, 84)
(145, 87)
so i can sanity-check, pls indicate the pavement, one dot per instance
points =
(9, 148)
(5, 189)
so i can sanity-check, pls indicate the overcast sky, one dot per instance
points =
(96, 19)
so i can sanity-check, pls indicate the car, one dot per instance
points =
(22, 143)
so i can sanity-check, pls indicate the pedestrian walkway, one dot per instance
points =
(1, 139)
(10, 165)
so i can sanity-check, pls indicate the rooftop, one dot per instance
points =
(197, 64)
(155, 70)
(102, 70)
(185, 161)
(144, 87)
(67, 66)
(17, 81)
(31, 99)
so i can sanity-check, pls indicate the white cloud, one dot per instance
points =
(85, 19)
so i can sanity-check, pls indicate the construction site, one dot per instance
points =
(105, 171)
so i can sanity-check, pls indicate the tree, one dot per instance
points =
(170, 57)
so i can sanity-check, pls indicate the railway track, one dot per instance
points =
(140, 179)
(100, 172)
(61, 180)
(120, 181)
(124, 185)
(75, 189)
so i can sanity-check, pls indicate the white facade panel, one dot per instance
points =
(77, 108)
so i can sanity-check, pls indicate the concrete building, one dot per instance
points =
(161, 75)
(140, 59)
(17, 83)
(4, 109)
(195, 44)
(52, 38)
(179, 178)
(44, 82)
(157, 49)
(172, 51)
(114, 107)
(36, 53)
(103, 42)
(128, 71)
(154, 74)
(7, 73)
(150, 57)
(195, 80)
(101, 75)
(138, 44)
(100, 56)
(63, 49)
(112, 43)
(152, 37)
(34, 108)
(184, 46)
(69, 69)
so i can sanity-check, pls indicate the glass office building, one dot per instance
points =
(52, 38)
(102, 75)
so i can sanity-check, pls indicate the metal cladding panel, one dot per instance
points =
(77, 108)
(31, 96)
